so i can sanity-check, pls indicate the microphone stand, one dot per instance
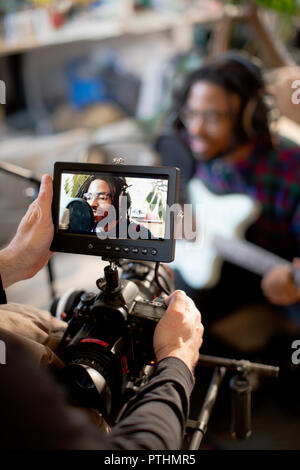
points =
(35, 179)
(241, 395)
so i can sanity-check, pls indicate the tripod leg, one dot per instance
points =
(207, 407)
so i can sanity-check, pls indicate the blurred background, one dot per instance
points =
(85, 80)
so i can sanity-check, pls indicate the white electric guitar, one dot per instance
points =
(221, 225)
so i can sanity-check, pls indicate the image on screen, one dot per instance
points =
(112, 206)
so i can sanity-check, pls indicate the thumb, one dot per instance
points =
(45, 195)
(175, 295)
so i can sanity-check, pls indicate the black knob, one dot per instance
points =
(88, 298)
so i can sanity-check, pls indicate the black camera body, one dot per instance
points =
(109, 339)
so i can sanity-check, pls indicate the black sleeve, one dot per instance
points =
(35, 414)
(155, 418)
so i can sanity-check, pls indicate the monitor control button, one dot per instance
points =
(153, 251)
(135, 250)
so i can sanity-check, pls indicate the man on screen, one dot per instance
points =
(110, 202)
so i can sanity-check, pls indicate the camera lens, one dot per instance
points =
(86, 378)
(83, 380)
(94, 376)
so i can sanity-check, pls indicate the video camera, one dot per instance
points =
(121, 213)
(107, 346)
(127, 216)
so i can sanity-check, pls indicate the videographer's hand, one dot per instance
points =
(28, 251)
(179, 332)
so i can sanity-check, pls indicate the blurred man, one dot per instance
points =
(220, 134)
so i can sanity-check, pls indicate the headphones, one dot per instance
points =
(255, 101)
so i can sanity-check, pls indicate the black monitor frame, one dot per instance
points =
(162, 250)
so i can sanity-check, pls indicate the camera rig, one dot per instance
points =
(107, 346)
(110, 354)
(102, 373)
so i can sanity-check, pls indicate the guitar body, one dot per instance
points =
(228, 217)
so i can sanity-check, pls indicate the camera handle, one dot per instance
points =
(241, 395)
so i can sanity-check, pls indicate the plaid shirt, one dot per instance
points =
(272, 178)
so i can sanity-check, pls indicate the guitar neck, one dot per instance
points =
(247, 255)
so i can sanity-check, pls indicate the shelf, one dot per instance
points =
(90, 29)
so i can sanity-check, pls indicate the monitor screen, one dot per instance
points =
(115, 211)
(111, 206)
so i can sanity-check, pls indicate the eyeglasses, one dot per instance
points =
(210, 117)
(102, 197)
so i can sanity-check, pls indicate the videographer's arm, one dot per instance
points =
(156, 416)
(28, 251)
